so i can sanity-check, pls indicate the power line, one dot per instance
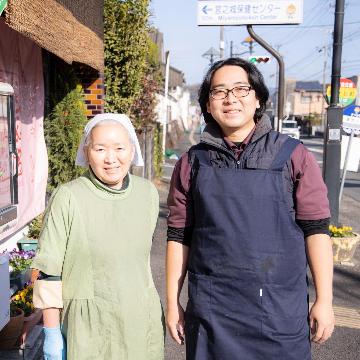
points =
(296, 29)
(312, 26)
(314, 17)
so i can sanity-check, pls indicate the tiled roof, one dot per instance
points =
(308, 86)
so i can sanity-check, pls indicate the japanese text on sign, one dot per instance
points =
(351, 119)
(347, 92)
(241, 12)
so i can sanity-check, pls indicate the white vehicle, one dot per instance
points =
(291, 128)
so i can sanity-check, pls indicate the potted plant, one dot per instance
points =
(344, 243)
(19, 263)
(24, 301)
(12, 330)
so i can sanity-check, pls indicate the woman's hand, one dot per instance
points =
(321, 322)
(54, 346)
(175, 323)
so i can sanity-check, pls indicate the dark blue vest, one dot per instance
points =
(247, 263)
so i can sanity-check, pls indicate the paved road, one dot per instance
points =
(352, 182)
(345, 343)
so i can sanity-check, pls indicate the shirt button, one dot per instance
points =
(238, 162)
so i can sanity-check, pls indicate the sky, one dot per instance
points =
(300, 45)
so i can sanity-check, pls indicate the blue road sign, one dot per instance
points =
(351, 119)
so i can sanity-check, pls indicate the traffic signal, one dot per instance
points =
(259, 59)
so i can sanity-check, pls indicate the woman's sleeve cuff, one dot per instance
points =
(47, 294)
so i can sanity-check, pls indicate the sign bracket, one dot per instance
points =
(281, 83)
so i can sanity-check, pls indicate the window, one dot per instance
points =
(305, 99)
(8, 157)
(290, 125)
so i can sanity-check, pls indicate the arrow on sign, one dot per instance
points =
(205, 9)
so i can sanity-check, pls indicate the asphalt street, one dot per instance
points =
(352, 179)
(345, 342)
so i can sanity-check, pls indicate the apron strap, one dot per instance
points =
(201, 155)
(284, 154)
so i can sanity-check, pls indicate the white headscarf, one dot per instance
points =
(121, 119)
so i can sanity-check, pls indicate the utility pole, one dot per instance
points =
(166, 91)
(231, 48)
(222, 43)
(332, 140)
(325, 50)
(211, 54)
(324, 89)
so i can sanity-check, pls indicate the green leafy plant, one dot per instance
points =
(23, 300)
(14, 310)
(35, 227)
(126, 46)
(20, 261)
(314, 118)
(158, 152)
(63, 129)
(132, 68)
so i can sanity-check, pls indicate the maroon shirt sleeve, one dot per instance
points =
(179, 199)
(311, 192)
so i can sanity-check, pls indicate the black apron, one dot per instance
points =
(248, 294)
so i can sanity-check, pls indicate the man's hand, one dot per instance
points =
(322, 322)
(175, 323)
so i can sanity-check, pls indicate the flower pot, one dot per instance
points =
(11, 332)
(16, 281)
(344, 248)
(19, 280)
(29, 322)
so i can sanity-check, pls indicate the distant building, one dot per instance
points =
(303, 98)
(178, 105)
(158, 38)
(176, 77)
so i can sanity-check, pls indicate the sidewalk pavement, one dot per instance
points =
(345, 342)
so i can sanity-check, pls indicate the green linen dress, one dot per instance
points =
(98, 240)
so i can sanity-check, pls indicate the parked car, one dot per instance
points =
(291, 128)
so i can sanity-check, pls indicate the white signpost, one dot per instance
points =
(351, 125)
(255, 12)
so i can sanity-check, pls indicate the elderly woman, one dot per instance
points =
(96, 288)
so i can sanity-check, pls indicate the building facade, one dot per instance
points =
(304, 98)
(38, 39)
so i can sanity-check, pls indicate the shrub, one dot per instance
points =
(63, 129)
(35, 227)
(126, 46)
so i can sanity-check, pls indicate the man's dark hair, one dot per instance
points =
(256, 80)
